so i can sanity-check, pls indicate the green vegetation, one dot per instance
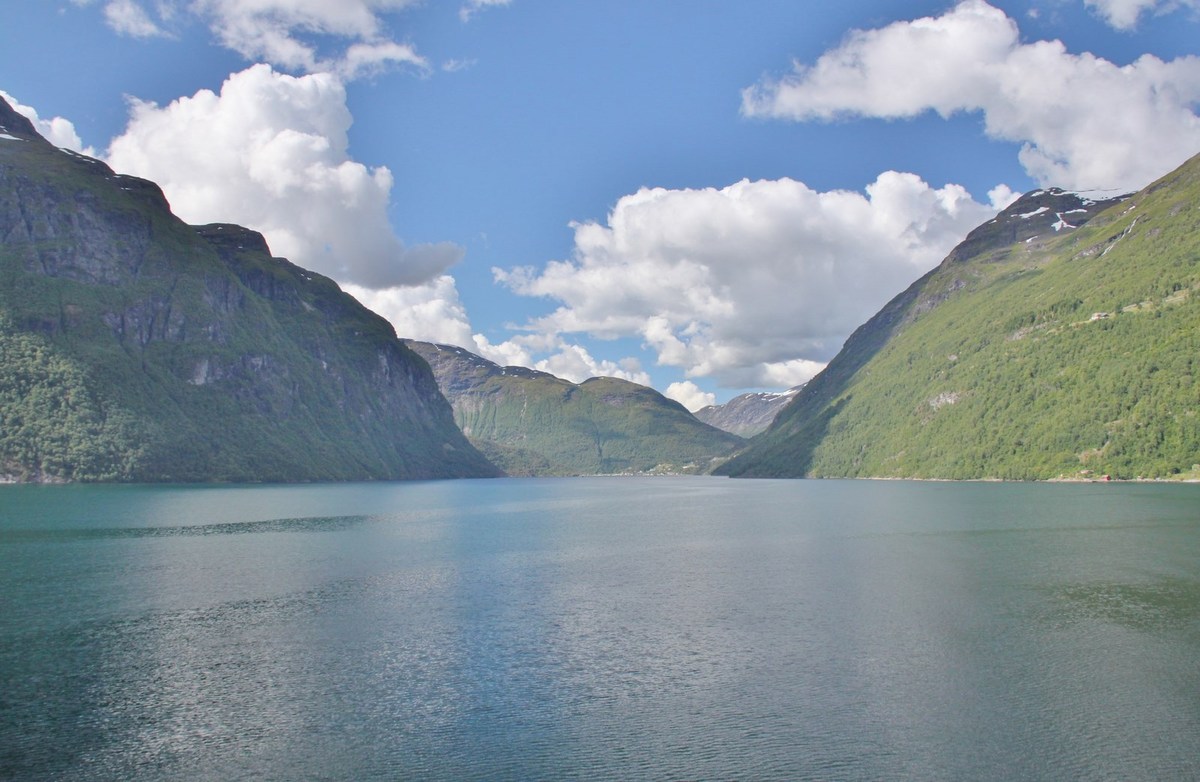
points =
(1061, 356)
(532, 423)
(137, 348)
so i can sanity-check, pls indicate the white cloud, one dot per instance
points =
(58, 131)
(508, 353)
(755, 284)
(286, 33)
(1085, 122)
(129, 18)
(454, 66)
(431, 312)
(345, 37)
(270, 152)
(474, 6)
(370, 58)
(575, 363)
(1124, 14)
(690, 395)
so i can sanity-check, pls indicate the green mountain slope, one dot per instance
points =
(532, 423)
(1036, 350)
(134, 347)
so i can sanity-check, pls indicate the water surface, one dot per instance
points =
(668, 628)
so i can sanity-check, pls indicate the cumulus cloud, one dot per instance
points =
(433, 312)
(756, 284)
(58, 131)
(690, 395)
(574, 362)
(1085, 122)
(430, 312)
(270, 152)
(1124, 14)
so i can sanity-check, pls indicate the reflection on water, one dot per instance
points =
(688, 628)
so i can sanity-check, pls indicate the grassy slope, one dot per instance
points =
(994, 367)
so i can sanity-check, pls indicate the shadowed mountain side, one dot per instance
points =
(533, 423)
(134, 347)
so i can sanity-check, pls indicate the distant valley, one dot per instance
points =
(532, 423)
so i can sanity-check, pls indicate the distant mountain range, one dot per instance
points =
(1059, 340)
(533, 423)
(747, 414)
(134, 347)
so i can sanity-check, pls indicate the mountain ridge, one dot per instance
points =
(1028, 353)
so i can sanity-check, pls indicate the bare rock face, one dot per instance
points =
(136, 347)
(747, 414)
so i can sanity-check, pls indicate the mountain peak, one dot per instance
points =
(1038, 215)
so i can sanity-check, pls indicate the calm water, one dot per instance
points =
(661, 629)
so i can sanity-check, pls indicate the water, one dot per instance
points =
(671, 628)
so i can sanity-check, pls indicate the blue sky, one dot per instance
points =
(705, 196)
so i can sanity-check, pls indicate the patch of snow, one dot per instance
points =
(1097, 194)
(1061, 223)
(7, 137)
(1030, 239)
(1037, 211)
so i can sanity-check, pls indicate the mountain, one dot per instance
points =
(533, 423)
(134, 347)
(1060, 340)
(747, 414)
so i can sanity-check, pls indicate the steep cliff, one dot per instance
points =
(135, 347)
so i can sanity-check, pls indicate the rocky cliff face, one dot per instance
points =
(137, 347)
(533, 423)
